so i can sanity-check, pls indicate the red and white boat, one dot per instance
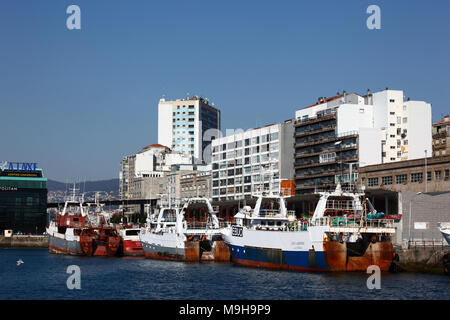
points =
(130, 244)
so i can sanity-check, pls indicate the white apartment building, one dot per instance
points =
(365, 130)
(246, 163)
(150, 163)
(389, 128)
(183, 123)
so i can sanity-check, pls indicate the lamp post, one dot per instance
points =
(410, 202)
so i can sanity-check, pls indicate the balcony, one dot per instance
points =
(323, 139)
(318, 118)
(315, 131)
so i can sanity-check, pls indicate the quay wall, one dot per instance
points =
(24, 241)
(431, 260)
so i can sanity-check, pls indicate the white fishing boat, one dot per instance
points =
(170, 235)
(342, 235)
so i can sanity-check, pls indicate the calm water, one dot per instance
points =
(43, 276)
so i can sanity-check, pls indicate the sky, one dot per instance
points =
(78, 101)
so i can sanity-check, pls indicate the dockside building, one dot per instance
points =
(23, 198)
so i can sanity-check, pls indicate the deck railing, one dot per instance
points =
(347, 222)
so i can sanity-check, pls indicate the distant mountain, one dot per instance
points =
(101, 185)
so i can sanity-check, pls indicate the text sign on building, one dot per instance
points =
(19, 166)
(421, 225)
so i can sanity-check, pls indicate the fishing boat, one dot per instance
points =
(77, 231)
(65, 229)
(340, 236)
(130, 245)
(446, 233)
(99, 238)
(172, 235)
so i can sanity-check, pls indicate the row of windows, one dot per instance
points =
(241, 189)
(255, 158)
(246, 179)
(403, 178)
(255, 140)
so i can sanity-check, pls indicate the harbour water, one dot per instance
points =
(43, 276)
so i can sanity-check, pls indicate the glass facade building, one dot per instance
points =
(23, 201)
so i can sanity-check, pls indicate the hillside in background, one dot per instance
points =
(111, 185)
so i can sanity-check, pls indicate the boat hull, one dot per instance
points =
(172, 247)
(159, 252)
(132, 248)
(304, 251)
(62, 246)
(94, 247)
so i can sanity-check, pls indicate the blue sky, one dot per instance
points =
(77, 101)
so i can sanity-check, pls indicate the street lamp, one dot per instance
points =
(410, 202)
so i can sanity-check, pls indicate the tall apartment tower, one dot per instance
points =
(182, 124)
(252, 161)
(339, 134)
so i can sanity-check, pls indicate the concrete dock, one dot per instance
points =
(24, 241)
(426, 259)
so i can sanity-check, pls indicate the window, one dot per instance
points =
(392, 113)
(437, 175)
(405, 120)
(274, 136)
(372, 182)
(327, 157)
(392, 100)
(399, 120)
(429, 176)
(446, 174)
(416, 177)
(392, 124)
(399, 131)
(401, 179)
(386, 180)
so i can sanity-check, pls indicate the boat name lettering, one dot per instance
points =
(236, 231)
